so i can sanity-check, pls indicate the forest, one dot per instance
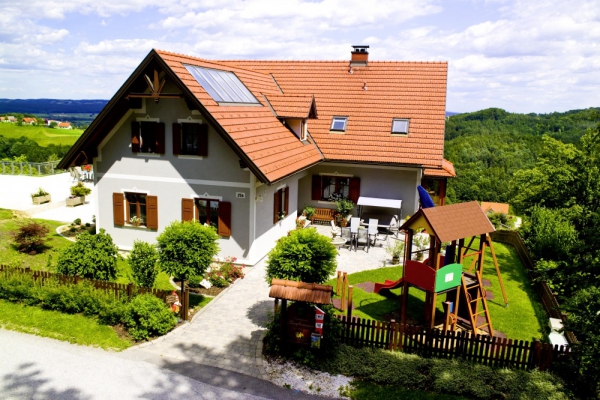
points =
(487, 147)
(547, 167)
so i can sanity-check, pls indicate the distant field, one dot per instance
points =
(41, 134)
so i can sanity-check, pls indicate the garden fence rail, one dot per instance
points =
(117, 289)
(29, 168)
(488, 350)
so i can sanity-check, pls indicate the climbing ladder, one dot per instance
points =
(472, 287)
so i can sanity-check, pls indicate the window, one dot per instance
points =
(135, 209)
(190, 139)
(222, 86)
(339, 123)
(332, 188)
(281, 204)
(210, 212)
(148, 137)
(400, 126)
(207, 212)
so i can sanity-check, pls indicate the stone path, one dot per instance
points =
(226, 334)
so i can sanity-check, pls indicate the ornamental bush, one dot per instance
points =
(91, 256)
(142, 260)
(304, 255)
(30, 236)
(147, 316)
(186, 249)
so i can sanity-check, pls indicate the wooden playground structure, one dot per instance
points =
(443, 274)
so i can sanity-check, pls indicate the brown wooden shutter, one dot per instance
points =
(135, 137)
(160, 138)
(354, 192)
(187, 209)
(316, 187)
(224, 218)
(152, 212)
(118, 209)
(203, 140)
(286, 206)
(276, 206)
(176, 139)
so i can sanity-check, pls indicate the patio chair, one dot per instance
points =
(72, 173)
(373, 231)
(345, 234)
(334, 229)
(362, 239)
(78, 177)
(354, 224)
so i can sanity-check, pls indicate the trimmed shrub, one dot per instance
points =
(304, 255)
(142, 261)
(147, 316)
(30, 236)
(91, 256)
(186, 249)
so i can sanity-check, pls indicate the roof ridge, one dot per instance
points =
(333, 61)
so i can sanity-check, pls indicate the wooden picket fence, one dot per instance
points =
(492, 351)
(117, 289)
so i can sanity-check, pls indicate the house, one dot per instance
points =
(64, 125)
(489, 207)
(245, 145)
(29, 121)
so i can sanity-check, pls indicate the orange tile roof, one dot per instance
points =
(454, 221)
(495, 207)
(291, 106)
(273, 148)
(413, 90)
(446, 171)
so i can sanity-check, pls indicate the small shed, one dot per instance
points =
(299, 321)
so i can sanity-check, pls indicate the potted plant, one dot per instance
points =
(343, 209)
(135, 221)
(308, 212)
(396, 251)
(41, 196)
(281, 215)
(78, 193)
(420, 241)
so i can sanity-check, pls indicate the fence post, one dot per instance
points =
(130, 290)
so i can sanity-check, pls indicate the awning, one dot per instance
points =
(375, 202)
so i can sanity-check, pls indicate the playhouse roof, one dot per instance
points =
(451, 222)
(300, 291)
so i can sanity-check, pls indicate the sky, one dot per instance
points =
(520, 55)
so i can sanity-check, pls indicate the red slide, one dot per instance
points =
(388, 285)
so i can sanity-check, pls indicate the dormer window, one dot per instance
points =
(339, 124)
(400, 126)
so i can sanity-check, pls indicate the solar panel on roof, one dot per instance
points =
(222, 86)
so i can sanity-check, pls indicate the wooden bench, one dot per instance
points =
(322, 214)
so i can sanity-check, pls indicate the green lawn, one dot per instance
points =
(523, 319)
(53, 324)
(41, 134)
(46, 260)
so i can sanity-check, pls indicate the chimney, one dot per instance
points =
(360, 56)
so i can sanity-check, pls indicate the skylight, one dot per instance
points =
(400, 126)
(339, 123)
(222, 86)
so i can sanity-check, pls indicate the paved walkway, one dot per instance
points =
(226, 334)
